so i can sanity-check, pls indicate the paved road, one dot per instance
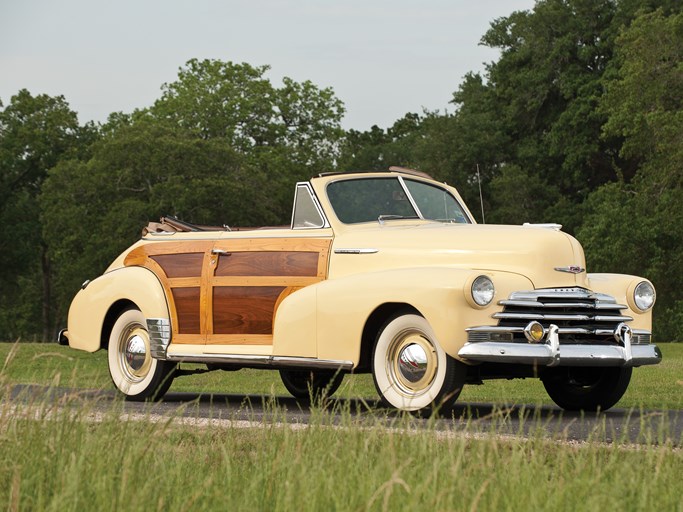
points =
(639, 427)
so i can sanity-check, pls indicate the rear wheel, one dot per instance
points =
(135, 373)
(410, 369)
(309, 383)
(586, 388)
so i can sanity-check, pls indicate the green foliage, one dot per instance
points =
(35, 133)
(644, 105)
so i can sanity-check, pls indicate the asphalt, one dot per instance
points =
(623, 426)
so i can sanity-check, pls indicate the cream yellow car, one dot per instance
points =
(381, 272)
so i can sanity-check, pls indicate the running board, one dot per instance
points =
(262, 361)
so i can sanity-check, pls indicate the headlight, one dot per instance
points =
(644, 295)
(482, 291)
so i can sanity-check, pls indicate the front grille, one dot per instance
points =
(581, 315)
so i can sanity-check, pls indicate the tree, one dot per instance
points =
(36, 132)
(644, 105)
(289, 132)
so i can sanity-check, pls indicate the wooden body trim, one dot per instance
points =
(227, 291)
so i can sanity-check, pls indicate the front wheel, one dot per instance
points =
(308, 383)
(135, 373)
(410, 369)
(586, 388)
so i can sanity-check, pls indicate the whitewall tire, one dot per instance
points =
(410, 369)
(135, 373)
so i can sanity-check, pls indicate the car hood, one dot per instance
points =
(533, 252)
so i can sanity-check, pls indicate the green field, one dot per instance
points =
(78, 459)
(652, 387)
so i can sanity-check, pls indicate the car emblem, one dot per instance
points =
(571, 269)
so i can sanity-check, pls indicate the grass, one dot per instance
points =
(51, 460)
(79, 458)
(652, 387)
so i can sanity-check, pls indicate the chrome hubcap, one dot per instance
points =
(412, 362)
(135, 354)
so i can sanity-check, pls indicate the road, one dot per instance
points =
(626, 426)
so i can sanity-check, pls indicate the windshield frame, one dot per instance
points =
(401, 179)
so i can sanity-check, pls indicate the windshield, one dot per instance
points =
(373, 199)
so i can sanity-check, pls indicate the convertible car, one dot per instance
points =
(380, 272)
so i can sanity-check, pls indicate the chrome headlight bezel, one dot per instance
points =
(482, 291)
(644, 296)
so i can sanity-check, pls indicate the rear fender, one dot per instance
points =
(89, 311)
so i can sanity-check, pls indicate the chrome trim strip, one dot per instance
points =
(410, 197)
(546, 225)
(159, 337)
(567, 317)
(497, 329)
(571, 269)
(562, 293)
(356, 251)
(537, 304)
(274, 361)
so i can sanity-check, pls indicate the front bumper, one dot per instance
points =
(552, 353)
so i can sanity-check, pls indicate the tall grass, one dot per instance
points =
(75, 458)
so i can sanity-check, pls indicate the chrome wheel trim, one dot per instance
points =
(134, 353)
(412, 362)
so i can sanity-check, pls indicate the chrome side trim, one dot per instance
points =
(272, 361)
(159, 337)
(356, 251)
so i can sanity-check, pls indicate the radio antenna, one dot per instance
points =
(481, 197)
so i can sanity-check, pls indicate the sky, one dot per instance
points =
(383, 58)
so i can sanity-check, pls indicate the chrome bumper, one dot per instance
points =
(551, 353)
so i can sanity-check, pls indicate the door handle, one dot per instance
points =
(220, 252)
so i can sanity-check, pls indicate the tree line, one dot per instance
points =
(579, 121)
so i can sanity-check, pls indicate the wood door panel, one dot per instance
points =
(268, 263)
(244, 309)
(187, 309)
(180, 265)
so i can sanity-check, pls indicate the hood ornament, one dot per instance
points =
(571, 269)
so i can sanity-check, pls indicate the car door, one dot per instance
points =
(249, 277)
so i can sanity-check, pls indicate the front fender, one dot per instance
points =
(621, 287)
(439, 294)
(89, 307)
